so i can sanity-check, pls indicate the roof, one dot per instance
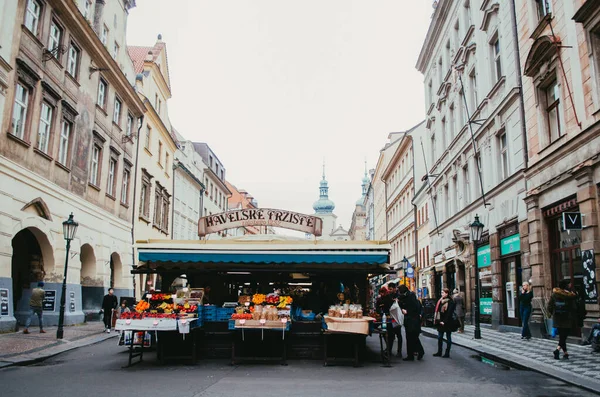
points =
(139, 55)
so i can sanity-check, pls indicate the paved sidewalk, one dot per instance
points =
(17, 348)
(582, 369)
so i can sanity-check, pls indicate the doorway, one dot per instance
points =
(512, 278)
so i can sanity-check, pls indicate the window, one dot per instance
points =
(73, 60)
(110, 183)
(210, 161)
(552, 93)
(117, 112)
(446, 199)
(129, 127)
(45, 127)
(158, 205)
(104, 35)
(433, 149)
(429, 93)
(452, 121)
(148, 133)
(496, 59)
(160, 150)
(20, 111)
(467, 186)
(94, 168)
(503, 155)
(63, 146)
(473, 88)
(544, 7)
(102, 90)
(444, 132)
(167, 163)
(87, 9)
(115, 53)
(440, 71)
(222, 175)
(32, 16)
(143, 194)
(455, 189)
(54, 39)
(457, 40)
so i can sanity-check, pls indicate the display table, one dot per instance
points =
(348, 325)
(250, 335)
(346, 331)
(162, 325)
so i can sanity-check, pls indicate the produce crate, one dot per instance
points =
(225, 311)
(231, 324)
(210, 309)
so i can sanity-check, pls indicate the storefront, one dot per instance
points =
(510, 259)
(484, 263)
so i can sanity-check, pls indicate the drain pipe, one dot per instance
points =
(133, 203)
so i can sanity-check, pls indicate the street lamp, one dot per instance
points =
(69, 230)
(405, 267)
(476, 230)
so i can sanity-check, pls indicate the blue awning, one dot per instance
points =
(377, 258)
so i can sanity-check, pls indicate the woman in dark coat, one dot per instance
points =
(563, 307)
(411, 308)
(444, 309)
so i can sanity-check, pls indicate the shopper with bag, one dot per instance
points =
(563, 308)
(397, 321)
(384, 304)
(446, 322)
(411, 308)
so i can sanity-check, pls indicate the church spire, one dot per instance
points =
(324, 205)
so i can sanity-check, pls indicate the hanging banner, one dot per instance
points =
(410, 272)
(260, 217)
(589, 276)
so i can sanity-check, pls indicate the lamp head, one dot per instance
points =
(476, 230)
(70, 228)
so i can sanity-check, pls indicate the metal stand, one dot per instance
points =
(355, 342)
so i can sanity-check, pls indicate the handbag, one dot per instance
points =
(554, 332)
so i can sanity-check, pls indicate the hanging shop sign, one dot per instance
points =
(484, 258)
(510, 244)
(49, 302)
(572, 220)
(260, 217)
(589, 276)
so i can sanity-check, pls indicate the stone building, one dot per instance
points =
(358, 226)
(69, 113)
(476, 151)
(369, 204)
(399, 178)
(559, 50)
(239, 200)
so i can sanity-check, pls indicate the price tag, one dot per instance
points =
(247, 304)
(343, 313)
(155, 323)
(149, 296)
(242, 322)
(284, 320)
(127, 322)
(263, 321)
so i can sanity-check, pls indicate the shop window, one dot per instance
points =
(32, 16)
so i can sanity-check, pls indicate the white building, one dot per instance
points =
(324, 209)
(472, 96)
(358, 226)
(369, 204)
(188, 197)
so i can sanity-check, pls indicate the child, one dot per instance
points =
(123, 308)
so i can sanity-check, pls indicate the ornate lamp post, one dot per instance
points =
(476, 230)
(69, 230)
(405, 267)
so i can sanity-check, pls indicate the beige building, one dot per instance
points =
(69, 109)
(561, 88)
(380, 224)
(358, 226)
(156, 146)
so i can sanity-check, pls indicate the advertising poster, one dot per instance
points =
(3, 302)
(49, 302)
(589, 276)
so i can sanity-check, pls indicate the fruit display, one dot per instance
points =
(142, 306)
(241, 316)
(259, 299)
(160, 297)
(162, 306)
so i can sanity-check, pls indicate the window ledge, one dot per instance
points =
(72, 78)
(18, 140)
(160, 165)
(553, 144)
(44, 155)
(148, 151)
(57, 62)
(124, 205)
(29, 33)
(117, 126)
(101, 109)
(64, 167)
(497, 87)
(110, 196)
(541, 26)
(90, 184)
(144, 219)
(154, 226)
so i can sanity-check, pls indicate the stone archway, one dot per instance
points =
(91, 285)
(116, 271)
(32, 258)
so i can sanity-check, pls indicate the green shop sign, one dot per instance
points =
(484, 259)
(510, 244)
(485, 306)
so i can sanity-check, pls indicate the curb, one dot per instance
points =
(26, 362)
(508, 361)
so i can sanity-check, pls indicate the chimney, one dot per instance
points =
(98, 14)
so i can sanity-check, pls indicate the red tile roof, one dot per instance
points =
(138, 56)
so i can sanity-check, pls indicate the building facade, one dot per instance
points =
(476, 152)
(188, 196)
(380, 224)
(69, 109)
(358, 226)
(239, 200)
(369, 204)
(561, 89)
(399, 179)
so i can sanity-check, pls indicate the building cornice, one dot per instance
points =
(433, 33)
(215, 178)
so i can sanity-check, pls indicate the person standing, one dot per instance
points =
(444, 310)
(394, 329)
(563, 308)
(525, 309)
(36, 306)
(411, 308)
(459, 310)
(109, 304)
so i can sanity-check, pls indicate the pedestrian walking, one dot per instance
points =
(109, 304)
(394, 329)
(411, 308)
(525, 298)
(443, 318)
(459, 304)
(563, 308)
(36, 307)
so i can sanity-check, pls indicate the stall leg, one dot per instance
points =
(233, 350)
(324, 350)
(284, 356)
(356, 351)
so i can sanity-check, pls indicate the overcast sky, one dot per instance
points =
(276, 86)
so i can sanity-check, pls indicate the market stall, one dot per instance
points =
(277, 290)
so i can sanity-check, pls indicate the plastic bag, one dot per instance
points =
(554, 332)
(396, 313)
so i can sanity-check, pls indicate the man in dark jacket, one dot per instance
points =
(109, 304)
(411, 308)
(394, 329)
(563, 307)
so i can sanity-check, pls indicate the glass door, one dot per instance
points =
(511, 274)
